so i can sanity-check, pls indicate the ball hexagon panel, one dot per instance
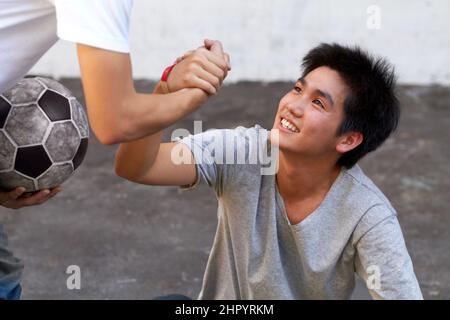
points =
(79, 117)
(63, 141)
(27, 125)
(4, 111)
(55, 106)
(81, 152)
(57, 174)
(11, 180)
(6, 152)
(56, 86)
(26, 90)
(32, 161)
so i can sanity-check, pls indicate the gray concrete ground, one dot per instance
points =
(137, 242)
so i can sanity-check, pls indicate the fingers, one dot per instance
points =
(40, 197)
(33, 199)
(29, 199)
(53, 192)
(179, 59)
(216, 47)
(11, 195)
(213, 69)
(204, 68)
(227, 59)
(210, 78)
(197, 82)
(218, 60)
(208, 43)
(210, 63)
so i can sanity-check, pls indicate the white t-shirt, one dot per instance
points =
(28, 28)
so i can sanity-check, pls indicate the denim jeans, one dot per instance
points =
(10, 291)
(10, 270)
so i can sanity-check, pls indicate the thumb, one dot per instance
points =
(214, 46)
(11, 195)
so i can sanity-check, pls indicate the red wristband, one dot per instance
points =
(166, 72)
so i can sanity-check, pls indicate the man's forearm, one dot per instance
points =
(117, 113)
(141, 115)
(148, 114)
(136, 157)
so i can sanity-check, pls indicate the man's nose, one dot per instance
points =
(296, 108)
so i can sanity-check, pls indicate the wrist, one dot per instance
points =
(194, 97)
(164, 77)
(160, 88)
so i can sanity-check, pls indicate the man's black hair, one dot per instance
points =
(371, 107)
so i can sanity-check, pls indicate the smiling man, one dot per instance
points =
(304, 231)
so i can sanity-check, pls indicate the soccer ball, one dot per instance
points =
(43, 135)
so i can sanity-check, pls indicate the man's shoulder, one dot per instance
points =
(365, 189)
(362, 201)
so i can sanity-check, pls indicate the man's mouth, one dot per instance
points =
(288, 125)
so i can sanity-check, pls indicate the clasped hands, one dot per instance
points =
(204, 68)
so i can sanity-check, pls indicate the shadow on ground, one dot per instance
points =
(138, 242)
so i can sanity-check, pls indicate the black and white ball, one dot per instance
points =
(44, 134)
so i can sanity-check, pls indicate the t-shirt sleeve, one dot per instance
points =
(383, 261)
(99, 23)
(205, 148)
(223, 156)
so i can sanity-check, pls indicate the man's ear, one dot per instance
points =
(349, 141)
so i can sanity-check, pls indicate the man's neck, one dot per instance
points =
(300, 179)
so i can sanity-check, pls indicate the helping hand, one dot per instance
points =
(204, 68)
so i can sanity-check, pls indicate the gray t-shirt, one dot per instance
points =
(258, 254)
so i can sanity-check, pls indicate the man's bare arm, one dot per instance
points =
(148, 161)
(117, 113)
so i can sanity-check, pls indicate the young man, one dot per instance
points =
(28, 28)
(301, 232)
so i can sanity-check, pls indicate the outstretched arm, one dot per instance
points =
(117, 113)
(148, 161)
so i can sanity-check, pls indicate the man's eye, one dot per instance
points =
(298, 89)
(319, 103)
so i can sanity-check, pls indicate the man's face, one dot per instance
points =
(309, 115)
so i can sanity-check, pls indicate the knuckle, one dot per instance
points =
(198, 53)
(191, 66)
(187, 78)
(194, 67)
(194, 58)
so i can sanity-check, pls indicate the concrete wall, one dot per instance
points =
(267, 38)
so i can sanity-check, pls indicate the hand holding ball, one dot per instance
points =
(44, 135)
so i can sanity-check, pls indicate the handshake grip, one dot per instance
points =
(204, 68)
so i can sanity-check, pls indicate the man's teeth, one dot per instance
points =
(286, 124)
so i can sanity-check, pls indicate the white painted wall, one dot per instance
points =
(267, 38)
